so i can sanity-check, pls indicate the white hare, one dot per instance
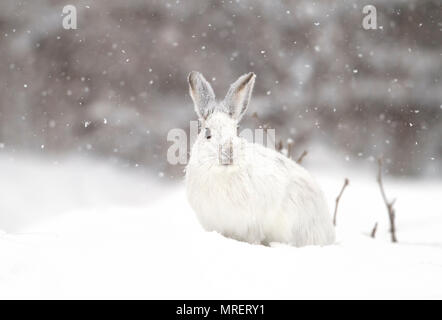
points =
(244, 190)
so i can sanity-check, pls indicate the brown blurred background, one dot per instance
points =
(116, 85)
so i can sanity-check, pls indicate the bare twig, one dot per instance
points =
(388, 204)
(279, 146)
(301, 157)
(373, 231)
(289, 148)
(346, 182)
(264, 126)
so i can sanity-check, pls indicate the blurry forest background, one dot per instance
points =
(114, 87)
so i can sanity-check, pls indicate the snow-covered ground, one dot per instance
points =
(83, 229)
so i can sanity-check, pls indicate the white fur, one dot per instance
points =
(261, 197)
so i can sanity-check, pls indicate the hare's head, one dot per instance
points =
(219, 120)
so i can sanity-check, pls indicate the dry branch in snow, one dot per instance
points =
(373, 231)
(280, 144)
(346, 182)
(388, 204)
(289, 148)
(301, 157)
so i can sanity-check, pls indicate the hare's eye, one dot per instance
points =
(208, 133)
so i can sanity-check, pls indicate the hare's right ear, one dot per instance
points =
(202, 94)
(238, 96)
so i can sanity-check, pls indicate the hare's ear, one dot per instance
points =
(238, 96)
(202, 94)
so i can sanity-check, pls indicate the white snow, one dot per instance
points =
(83, 229)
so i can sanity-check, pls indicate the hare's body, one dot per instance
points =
(260, 196)
(267, 199)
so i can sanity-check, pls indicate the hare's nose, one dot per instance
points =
(225, 153)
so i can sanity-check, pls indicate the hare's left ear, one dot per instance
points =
(202, 94)
(238, 96)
